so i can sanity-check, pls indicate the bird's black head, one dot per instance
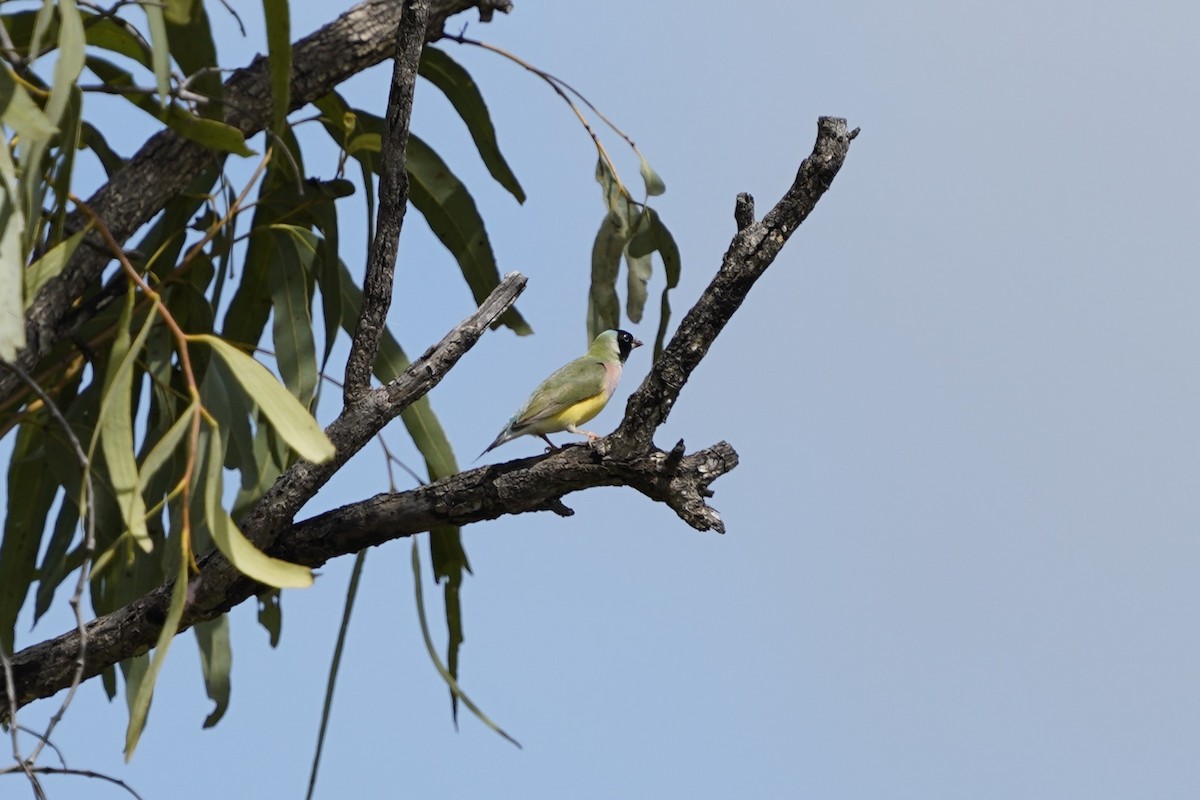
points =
(625, 344)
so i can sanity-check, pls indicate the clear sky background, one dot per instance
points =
(963, 548)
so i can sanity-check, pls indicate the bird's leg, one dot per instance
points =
(591, 437)
(546, 439)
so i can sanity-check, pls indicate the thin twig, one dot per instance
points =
(83, 773)
(89, 548)
(561, 88)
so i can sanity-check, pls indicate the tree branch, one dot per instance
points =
(360, 38)
(625, 458)
(393, 201)
(752, 250)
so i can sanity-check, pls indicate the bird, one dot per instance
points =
(574, 393)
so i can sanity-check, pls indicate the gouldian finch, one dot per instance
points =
(573, 394)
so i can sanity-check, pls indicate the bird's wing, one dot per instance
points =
(579, 380)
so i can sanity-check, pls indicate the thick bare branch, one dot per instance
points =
(393, 201)
(362, 37)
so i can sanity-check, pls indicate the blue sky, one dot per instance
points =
(964, 538)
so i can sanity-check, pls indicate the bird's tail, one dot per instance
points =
(504, 436)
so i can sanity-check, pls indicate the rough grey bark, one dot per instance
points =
(626, 458)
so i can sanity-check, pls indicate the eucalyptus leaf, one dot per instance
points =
(216, 660)
(241, 552)
(463, 93)
(604, 308)
(279, 58)
(290, 419)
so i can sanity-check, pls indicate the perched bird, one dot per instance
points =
(574, 394)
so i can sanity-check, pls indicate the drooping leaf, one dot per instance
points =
(292, 330)
(463, 93)
(604, 309)
(55, 564)
(668, 251)
(654, 182)
(164, 449)
(216, 660)
(638, 270)
(331, 682)
(433, 656)
(270, 615)
(70, 124)
(178, 12)
(279, 58)
(116, 423)
(69, 63)
(19, 112)
(278, 201)
(453, 217)
(31, 491)
(12, 259)
(140, 692)
(160, 53)
(290, 419)
(240, 551)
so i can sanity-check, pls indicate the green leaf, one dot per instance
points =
(178, 12)
(115, 429)
(290, 419)
(31, 491)
(216, 659)
(164, 449)
(20, 113)
(49, 265)
(64, 167)
(139, 692)
(331, 682)
(45, 19)
(638, 269)
(249, 559)
(56, 565)
(604, 309)
(270, 614)
(654, 183)
(462, 92)
(69, 63)
(453, 217)
(433, 656)
(160, 49)
(668, 251)
(12, 259)
(279, 57)
(291, 329)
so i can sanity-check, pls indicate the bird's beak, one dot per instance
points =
(637, 342)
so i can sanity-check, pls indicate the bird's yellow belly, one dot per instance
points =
(579, 413)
